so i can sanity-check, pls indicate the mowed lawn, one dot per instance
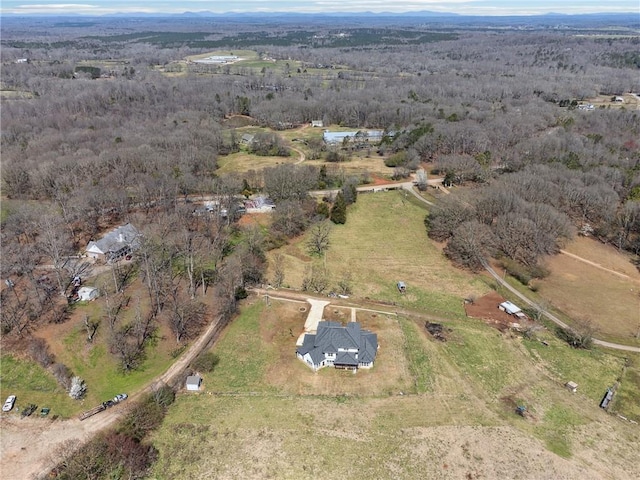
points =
(383, 241)
(583, 291)
(446, 411)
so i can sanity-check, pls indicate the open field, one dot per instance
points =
(607, 294)
(258, 355)
(15, 94)
(243, 55)
(243, 162)
(274, 423)
(359, 161)
(383, 241)
(631, 102)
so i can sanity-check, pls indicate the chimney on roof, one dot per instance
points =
(120, 238)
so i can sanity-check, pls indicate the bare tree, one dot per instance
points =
(319, 238)
(54, 241)
(316, 279)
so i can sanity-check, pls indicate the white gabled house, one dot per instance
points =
(116, 244)
(334, 345)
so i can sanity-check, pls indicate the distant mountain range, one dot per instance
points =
(629, 21)
(422, 13)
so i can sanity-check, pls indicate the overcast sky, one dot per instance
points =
(469, 7)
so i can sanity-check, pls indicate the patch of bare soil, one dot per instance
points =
(239, 121)
(486, 308)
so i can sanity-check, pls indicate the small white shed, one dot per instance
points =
(86, 294)
(510, 308)
(193, 383)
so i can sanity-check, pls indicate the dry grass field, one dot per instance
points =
(605, 291)
(269, 416)
(243, 162)
(384, 240)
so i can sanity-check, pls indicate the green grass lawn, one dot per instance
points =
(419, 362)
(460, 385)
(384, 240)
(101, 371)
(33, 384)
(243, 356)
(626, 401)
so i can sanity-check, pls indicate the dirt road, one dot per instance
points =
(551, 316)
(597, 265)
(28, 443)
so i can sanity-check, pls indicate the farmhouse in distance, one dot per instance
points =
(116, 244)
(348, 347)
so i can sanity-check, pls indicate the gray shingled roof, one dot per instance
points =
(116, 239)
(333, 338)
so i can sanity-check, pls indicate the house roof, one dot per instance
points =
(116, 239)
(194, 380)
(86, 290)
(346, 358)
(350, 345)
(337, 137)
(332, 337)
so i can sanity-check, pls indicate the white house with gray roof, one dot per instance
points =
(348, 347)
(116, 244)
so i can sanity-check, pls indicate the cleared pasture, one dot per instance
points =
(461, 426)
(608, 295)
(384, 240)
(241, 162)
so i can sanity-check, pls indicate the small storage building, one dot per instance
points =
(511, 309)
(571, 386)
(193, 383)
(86, 294)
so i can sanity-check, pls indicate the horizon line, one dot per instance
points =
(279, 12)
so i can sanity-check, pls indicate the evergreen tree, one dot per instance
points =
(339, 210)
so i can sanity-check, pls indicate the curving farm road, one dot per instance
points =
(551, 316)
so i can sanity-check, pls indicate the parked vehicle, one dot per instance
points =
(29, 409)
(8, 404)
(121, 397)
(44, 411)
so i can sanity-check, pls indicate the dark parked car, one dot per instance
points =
(29, 409)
